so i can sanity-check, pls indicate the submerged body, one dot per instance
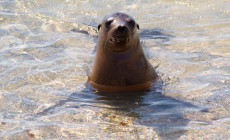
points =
(120, 63)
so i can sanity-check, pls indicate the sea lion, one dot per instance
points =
(120, 63)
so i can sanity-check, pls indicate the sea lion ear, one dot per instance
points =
(138, 26)
(99, 26)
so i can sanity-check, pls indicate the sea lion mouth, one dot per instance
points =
(119, 40)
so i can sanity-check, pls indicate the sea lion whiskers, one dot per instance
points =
(105, 44)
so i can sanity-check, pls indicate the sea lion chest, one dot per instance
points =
(120, 69)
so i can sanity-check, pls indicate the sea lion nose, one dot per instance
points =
(122, 28)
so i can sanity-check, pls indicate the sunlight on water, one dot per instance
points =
(47, 49)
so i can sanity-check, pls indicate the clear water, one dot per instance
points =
(44, 61)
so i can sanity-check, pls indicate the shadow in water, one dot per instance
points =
(155, 33)
(152, 109)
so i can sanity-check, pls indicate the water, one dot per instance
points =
(45, 58)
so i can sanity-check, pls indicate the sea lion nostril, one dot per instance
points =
(122, 28)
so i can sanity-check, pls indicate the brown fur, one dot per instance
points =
(120, 63)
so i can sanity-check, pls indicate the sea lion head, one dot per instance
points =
(118, 32)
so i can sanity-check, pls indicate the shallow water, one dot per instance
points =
(44, 61)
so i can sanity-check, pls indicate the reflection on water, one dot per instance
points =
(48, 47)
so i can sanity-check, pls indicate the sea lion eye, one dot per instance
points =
(107, 23)
(131, 22)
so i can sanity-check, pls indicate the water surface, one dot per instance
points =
(48, 47)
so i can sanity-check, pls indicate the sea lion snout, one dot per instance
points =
(120, 34)
(122, 28)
